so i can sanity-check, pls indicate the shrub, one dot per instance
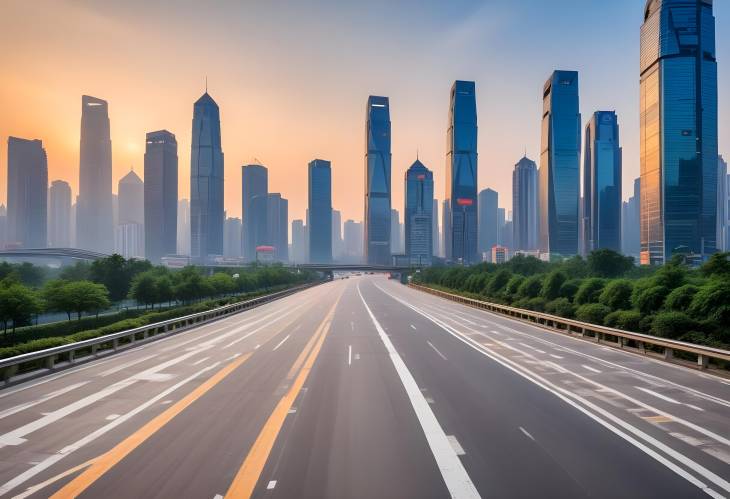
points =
(681, 298)
(498, 282)
(672, 324)
(570, 288)
(628, 320)
(553, 282)
(513, 285)
(561, 307)
(589, 291)
(608, 263)
(712, 301)
(594, 313)
(651, 299)
(617, 294)
(537, 304)
(530, 287)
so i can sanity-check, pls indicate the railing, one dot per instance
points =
(29, 364)
(638, 342)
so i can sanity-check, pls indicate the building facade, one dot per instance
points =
(353, 240)
(602, 183)
(183, 227)
(418, 214)
(59, 215)
(206, 181)
(377, 182)
(320, 211)
(232, 238)
(337, 244)
(525, 219)
(254, 200)
(27, 213)
(678, 126)
(131, 212)
(160, 195)
(462, 175)
(277, 219)
(299, 246)
(630, 223)
(722, 205)
(489, 227)
(559, 174)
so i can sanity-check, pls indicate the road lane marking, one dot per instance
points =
(532, 348)
(668, 399)
(200, 361)
(589, 368)
(120, 367)
(527, 434)
(32, 490)
(271, 485)
(91, 437)
(456, 445)
(604, 418)
(110, 417)
(436, 350)
(555, 356)
(349, 355)
(107, 461)
(27, 405)
(455, 477)
(248, 475)
(280, 343)
(413, 327)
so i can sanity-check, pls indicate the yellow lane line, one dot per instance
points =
(108, 460)
(248, 475)
(32, 490)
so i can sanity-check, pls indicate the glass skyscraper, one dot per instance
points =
(678, 122)
(524, 205)
(59, 214)
(254, 207)
(160, 195)
(461, 175)
(488, 221)
(602, 183)
(418, 214)
(94, 213)
(559, 173)
(277, 216)
(377, 181)
(27, 221)
(206, 181)
(320, 211)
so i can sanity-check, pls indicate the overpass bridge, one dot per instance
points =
(74, 254)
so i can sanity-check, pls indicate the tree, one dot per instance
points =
(144, 289)
(55, 299)
(85, 296)
(607, 263)
(165, 291)
(531, 287)
(617, 294)
(628, 320)
(712, 301)
(717, 265)
(190, 285)
(589, 291)
(221, 283)
(673, 324)
(498, 282)
(595, 313)
(681, 298)
(80, 271)
(561, 307)
(116, 274)
(526, 265)
(553, 282)
(650, 299)
(17, 305)
(570, 288)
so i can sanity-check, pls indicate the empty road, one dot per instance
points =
(363, 388)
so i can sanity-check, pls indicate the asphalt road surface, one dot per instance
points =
(366, 388)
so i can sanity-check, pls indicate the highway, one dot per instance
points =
(365, 388)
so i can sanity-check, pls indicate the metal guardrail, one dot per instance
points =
(81, 351)
(601, 334)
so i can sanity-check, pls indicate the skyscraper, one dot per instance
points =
(255, 188)
(3, 225)
(436, 237)
(678, 123)
(602, 183)
(722, 204)
(183, 227)
(559, 172)
(418, 214)
(320, 211)
(489, 228)
(377, 181)
(95, 221)
(277, 216)
(353, 238)
(129, 233)
(461, 174)
(206, 181)
(27, 193)
(232, 238)
(59, 215)
(160, 195)
(395, 241)
(298, 242)
(524, 205)
(336, 235)
(630, 223)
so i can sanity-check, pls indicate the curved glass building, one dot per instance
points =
(461, 175)
(602, 183)
(559, 172)
(377, 181)
(678, 123)
(206, 181)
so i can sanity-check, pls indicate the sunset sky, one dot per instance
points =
(292, 80)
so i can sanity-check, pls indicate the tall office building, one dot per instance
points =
(418, 214)
(678, 123)
(722, 204)
(436, 236)
(559, 172)
(277, 219)
(160, 195)
(129, 232)
(3, 225)
(255, 188)
(94, 217)
(298, 242)
(489, 228)
(232, 238)
(630, 223)
(353, 239)
(395, 240)
(377, 182)
(206, 181)
(27, 193)
(602, 183)
(320, 211)
(336, 235)
(461, 175)
(59, 215)
(183, 227)
(524, 205)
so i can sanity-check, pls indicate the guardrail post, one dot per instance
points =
(599, 337)
(642, 347)
(668, 353)
(9, 372)
(49, 362)
(703, 361)
(115, 344)
(71, 355)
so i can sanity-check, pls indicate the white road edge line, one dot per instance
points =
(436, 350)
(452, 470)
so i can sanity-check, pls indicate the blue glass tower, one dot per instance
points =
(678, 123)
(461, 174)
(559, 172)
(206, 181)
(320, 211)
(524, 205)
(602, 183)
(255, 224)
(377, 181)
(418, 214)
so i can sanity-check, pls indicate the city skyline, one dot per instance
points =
(418, 112)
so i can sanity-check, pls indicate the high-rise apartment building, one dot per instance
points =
(183, 227)
(232, 238)
(298, 242)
